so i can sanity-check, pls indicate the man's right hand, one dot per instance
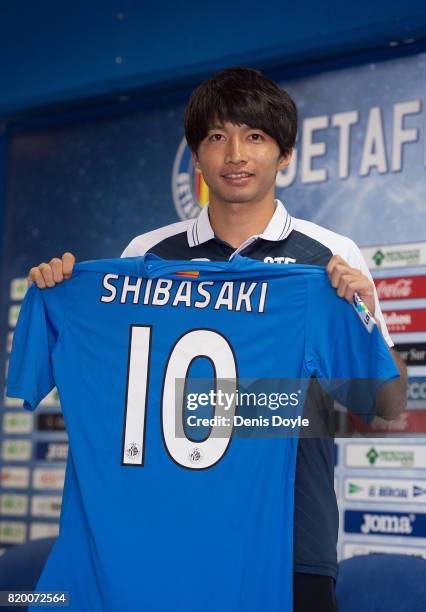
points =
(48, 274)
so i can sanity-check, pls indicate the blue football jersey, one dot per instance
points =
(155, 516)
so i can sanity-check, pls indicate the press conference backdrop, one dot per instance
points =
(359, 169)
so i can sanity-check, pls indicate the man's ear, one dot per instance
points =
(195, 158)
(284, 160)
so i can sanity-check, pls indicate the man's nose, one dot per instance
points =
(235, 151)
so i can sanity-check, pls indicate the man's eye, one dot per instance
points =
(257, 137)
(215, 137)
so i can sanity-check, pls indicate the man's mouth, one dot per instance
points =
(237, 178)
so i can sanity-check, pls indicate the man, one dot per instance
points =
(241, 128)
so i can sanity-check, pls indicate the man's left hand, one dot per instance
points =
(349, 280)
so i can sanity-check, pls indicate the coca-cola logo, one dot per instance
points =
(391, 290)
(401, 287)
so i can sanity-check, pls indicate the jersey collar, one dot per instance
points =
(278, 228)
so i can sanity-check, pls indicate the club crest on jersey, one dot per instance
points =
(190, 192)
(133, 451)
(195, 455)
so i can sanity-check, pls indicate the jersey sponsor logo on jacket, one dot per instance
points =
(284, 260)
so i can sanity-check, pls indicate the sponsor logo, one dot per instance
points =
(405, 320)
(412, 354)
(14, 477)
(387, 490)
(46, 505)
(51, 399)
(378, 257)
(16, 450)
(351, 550)
(12, 401)
(51, 421)
(17, 422)
(43, 530)
(410, 421)
(51, 451)
(12, 504)
(372, 456)
(48, 478)
(190, 192)
(9, 341)
(386, 455)
(385, 523)
(18, 289)
(283, 260)
(397, 257)
(416, 388)
(401, 288)
(12, 532)
(353, 488)
(13, 315)
(389, 524)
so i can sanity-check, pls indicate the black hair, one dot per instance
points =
(242, 96)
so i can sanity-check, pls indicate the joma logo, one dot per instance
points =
(379, 523)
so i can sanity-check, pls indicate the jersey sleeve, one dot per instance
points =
(350, 362)
(30, 373)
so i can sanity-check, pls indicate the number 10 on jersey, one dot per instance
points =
(193, 344)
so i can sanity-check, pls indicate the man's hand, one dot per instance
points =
(349, 280)
(48, 274)
(391, 399)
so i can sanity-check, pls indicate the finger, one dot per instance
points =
(334, 261)
(35, 276)
(342, 287)
(343, 270)
(47, 273)
(348, 284)
(364, 289)
(56, 266)
(68, 261)
(350, 291)
(338, 273)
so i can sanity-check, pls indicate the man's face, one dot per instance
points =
(239, 163)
